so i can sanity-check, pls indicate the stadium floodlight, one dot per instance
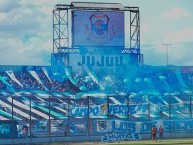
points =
(166, 44)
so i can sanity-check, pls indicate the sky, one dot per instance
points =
(26, 31)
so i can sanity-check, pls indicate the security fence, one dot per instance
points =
(43, 114)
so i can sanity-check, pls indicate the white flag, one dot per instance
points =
(12, 76)
(46, 74)
(35, 75)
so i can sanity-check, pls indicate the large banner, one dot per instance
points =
(122, 126)
(5, 130)
(58, 128)
(97, 107)
(119, 137)
(40, 128)
(23, 130)
(8, 129)
(77, 127)
(91, 28)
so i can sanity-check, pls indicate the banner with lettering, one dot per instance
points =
(119, 137)
(133, 127)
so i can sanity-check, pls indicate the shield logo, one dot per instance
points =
(102, 125)
(99, 26)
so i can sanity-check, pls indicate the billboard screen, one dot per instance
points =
(91, 28)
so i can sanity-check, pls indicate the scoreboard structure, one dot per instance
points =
(96, 35)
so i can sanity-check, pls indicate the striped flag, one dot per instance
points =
(35, 75)
(46, 73)
(12, 76)
(5, 82)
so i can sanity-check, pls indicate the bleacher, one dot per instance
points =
(144, 93)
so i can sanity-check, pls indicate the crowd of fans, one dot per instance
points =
(59, 83)
(137, 81)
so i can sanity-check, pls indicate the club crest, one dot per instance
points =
(99, 30)
(102, 125)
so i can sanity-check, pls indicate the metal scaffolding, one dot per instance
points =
(61, 35)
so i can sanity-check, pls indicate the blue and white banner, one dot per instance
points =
(46, 73)
(93, 111)
(40, 127)
(122, 136)
(68, 74)
(91, 74)
(12, 76)
(8, 84)
(35, 75)
(138, 127)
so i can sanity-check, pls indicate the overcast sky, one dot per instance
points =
(26, 30)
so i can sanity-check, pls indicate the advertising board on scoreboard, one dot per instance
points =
(94, 28)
